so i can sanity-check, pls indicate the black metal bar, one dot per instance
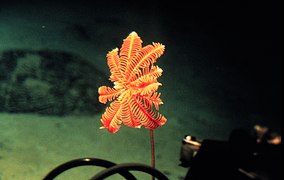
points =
(85, 162)
(129, 167)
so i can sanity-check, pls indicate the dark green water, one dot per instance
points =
(221, 70)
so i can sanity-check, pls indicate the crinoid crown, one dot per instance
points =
(134, 100)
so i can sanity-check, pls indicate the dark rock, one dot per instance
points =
(48, 82)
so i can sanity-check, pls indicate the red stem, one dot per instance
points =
(152, 149)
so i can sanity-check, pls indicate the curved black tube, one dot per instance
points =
(85, 162)
(129, 167)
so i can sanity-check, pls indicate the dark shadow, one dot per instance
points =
(48, 82)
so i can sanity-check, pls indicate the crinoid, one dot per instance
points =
(134, 100)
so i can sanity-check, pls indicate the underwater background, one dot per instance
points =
(221, 71)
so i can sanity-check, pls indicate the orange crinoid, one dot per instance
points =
(134, 97)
